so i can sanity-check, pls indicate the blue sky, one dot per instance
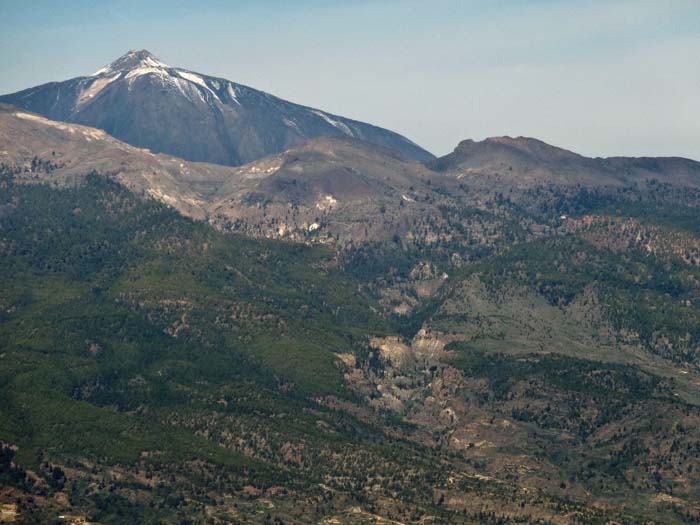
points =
(598, 77)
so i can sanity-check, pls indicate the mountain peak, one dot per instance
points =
(528, 146)
(149, 104)
(136, 58)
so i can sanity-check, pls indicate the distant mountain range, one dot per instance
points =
(148, 104)
(327, 188)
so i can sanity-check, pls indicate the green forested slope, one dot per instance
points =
(155, 370)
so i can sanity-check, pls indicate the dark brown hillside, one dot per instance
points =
(524, 162)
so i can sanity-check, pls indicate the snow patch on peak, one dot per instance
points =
(101, 71)
(151, 61)
(131, 61)
(291, 123)
(335, 123)
(196, 79)
(232, 93)
(140, 71)
(95, 87)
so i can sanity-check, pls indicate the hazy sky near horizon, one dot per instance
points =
(615, 77)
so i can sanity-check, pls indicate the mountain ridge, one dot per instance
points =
(331, 189)
(527, 161)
